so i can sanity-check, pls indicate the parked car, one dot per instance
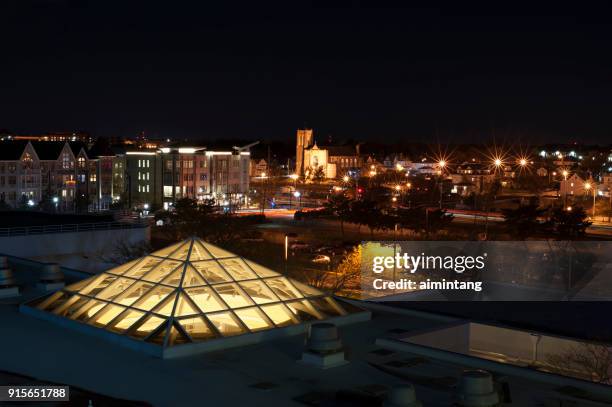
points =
(321, 259)
(299, 245)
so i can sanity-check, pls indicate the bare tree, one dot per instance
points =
(590, 361)
(124, 251)
(344, 277)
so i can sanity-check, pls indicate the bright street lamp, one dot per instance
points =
(588, 186)
(345, 178)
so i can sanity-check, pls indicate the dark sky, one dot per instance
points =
(258, 70)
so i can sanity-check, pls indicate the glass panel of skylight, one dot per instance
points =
(146, 326)
(198, 252)
(279, 314)
(106, 315)
(143, 267)
(226, 323)
(128, 318)
(254, 319)
(184, 307)
(166, 306)
(115, 288)
(258, 291)
(133, 293)
(205, 298)
(217, 252)
(261, 270)
(232, 295)
(162, 270)
(238, 269)
(283, 288)
(211, 271)
(153, 297)
(197, 328)
(303, 310)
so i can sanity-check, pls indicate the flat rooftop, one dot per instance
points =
(264, 374)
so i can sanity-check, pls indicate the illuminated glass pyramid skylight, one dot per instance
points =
(189, 292)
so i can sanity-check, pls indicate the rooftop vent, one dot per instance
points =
(51, 277)
(402, 396)
(324, 347)
(476, 390)
(8, 284)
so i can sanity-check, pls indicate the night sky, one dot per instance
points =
(259, 70)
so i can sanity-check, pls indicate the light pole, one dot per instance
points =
(441, 165)
(286, 252)
(587, 187)
(565, 174)
(298, 195)
(263, 195)
(294, 177)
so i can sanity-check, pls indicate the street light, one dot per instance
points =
(565, 174)
(298, 195)
(588, 186)
(345, 178)
(263, 177)
(294, 177)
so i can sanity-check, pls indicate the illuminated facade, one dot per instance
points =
(334, 161)
(187, 294)
(202, 173)
(61, 173)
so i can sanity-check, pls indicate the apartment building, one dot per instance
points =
(61, 174)
(74, 178)
(202, 173)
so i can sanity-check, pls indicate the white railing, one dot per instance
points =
(68, 228)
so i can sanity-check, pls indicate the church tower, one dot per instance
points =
(304, 141)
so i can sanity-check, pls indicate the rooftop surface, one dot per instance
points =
(264, 374)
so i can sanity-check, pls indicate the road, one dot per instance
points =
(597, 229)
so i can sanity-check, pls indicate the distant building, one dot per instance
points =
(471, 177)
(202, 173)
(572, 186)
(79, 136)
(304, 140)
(62, 174)
(333, 160)
(258, 167)
(142, 178)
